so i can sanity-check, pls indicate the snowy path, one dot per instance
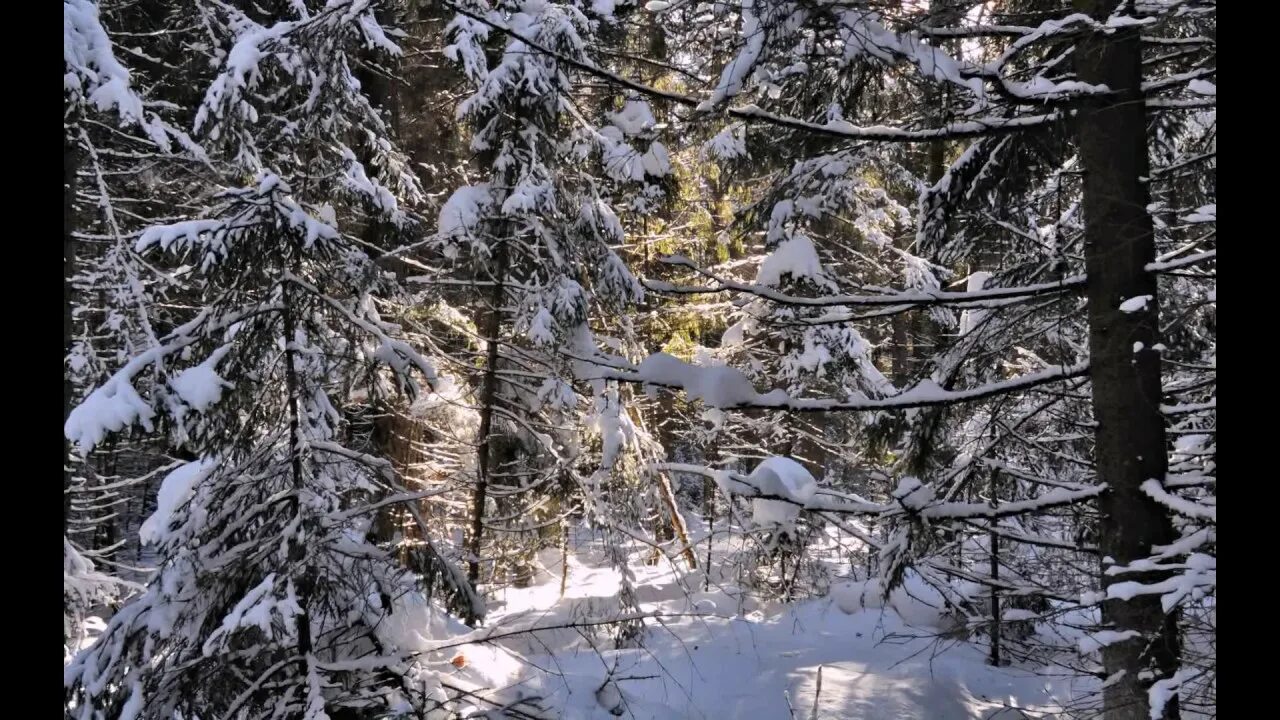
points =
(725, 667)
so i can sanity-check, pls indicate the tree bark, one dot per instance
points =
(994, 539)
(70, 162)
(678, 527)
(488, 396)
(297, 550)
(1130, 434)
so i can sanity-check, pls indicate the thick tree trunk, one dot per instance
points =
(1130, 435)
(395, 434)
(424, 117)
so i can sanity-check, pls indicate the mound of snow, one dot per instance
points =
(918, 603)
(1134, 304)
(781, 477)
(717, 386)
(795, 257)
(634, 118)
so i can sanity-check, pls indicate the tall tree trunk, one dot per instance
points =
(900, 340)
(70, 162)
(424, 118)
(911, 330)
(994, 539)
(488, 396)
(302, 575)
(1130, 434)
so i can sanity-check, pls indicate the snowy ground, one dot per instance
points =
(761, 663)
(718, 654)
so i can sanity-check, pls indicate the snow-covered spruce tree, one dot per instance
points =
(269, 598)
(826, 221)
(634, 174)
(538, 235)
(267, 584)
(116, 149)
(1012, 203)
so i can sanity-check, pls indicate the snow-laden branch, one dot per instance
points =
(974, 127)
(404, 498)
(241, 72)
(116, 404)
(395, 352)
(959, 130)
(1187, 261)
(727, 388)
(94, 76)
(1056, 497)
(1180, 505)
(1165, 689)
(965, 299)
(1199, 577)
(972, 299)
(829, 501)
(1188, 408)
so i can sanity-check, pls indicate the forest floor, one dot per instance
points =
(720, 656)
(717, 653)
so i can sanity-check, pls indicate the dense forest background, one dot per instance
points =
(411, 340)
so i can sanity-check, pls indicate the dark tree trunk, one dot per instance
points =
(70, 161)
(994, 539)
(917, 332)
(302, 575)
(911, 331)
(901, 344)
(1130, 435)
(488, 396)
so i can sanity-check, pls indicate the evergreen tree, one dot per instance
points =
(270, 596)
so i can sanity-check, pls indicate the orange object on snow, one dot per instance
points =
(459, 662)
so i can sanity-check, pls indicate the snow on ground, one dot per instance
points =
(718, 653)
(740, 659)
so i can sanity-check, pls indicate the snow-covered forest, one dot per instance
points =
(795, 359)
